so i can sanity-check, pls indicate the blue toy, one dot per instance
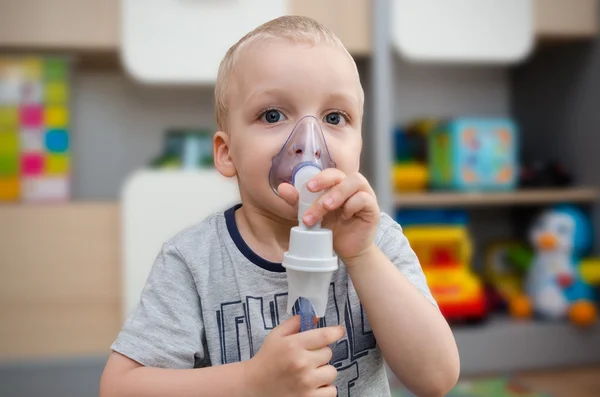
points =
(471, 154)
(437, 217)
(554, 286)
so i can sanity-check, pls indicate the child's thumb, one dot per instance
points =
(288, 327)
(288, 193)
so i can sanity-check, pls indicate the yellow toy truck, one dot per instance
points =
(445, 253)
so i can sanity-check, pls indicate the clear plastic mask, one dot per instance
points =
(305, 146)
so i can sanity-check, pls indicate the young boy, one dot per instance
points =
(212, 318)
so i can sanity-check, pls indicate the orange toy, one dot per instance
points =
(445, 253)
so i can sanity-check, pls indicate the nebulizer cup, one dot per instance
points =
(310, 261)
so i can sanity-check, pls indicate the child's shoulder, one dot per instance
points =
(201, 233)
(206, 226)
(387, 224)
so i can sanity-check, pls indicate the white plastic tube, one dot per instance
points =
(310, 261)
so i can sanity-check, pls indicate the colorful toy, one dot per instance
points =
(559, 282)
(34, 129)
(590, 270)
(445, 254)
(187, 149)
(504, 278)
(411, 140)
(438, 217)
(410, 177)
(471, 154)
(410, 172)
(540, 174)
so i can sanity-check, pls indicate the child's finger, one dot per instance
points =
(320, 337)
(324, 376)
(288, 193)
(321, 356)
(325, 179)
(326, 391)
(338, 195)
(360, 202)
(290, 326)
(335, 198)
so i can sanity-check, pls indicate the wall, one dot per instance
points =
(556, 99)
(118, 124)
(431, 90)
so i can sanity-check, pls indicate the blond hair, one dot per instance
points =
(295, 28)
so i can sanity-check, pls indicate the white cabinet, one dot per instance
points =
(183, 42)
(472, 31)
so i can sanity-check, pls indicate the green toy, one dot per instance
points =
(187, 149)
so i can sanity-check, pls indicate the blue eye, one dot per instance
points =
(335, 118)
(272, 116)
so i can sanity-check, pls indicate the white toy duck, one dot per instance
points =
(554, 286)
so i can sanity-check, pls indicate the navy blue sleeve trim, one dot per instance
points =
(243, 247)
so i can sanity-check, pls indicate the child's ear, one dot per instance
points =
(223, 162)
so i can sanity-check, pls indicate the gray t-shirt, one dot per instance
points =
(210, 300)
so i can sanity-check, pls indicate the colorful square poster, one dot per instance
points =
(35, 158)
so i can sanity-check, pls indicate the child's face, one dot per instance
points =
(276, 83)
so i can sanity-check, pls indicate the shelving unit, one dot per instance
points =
(504, 199)
(504, 345)
(91, 28)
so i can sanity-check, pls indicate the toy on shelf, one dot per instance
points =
(185, 149)
(559, 281)
(410, 172)
(590, 270)
(539, 174)
(445, 253)
(504, 272)
(410, 177)
(34, 129)
(471, 154)
(436, 217)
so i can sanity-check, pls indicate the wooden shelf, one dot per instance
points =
(84, 27)
(505, 345)
(519, 197)
(350, 20)
(72, 25)
(559, 20)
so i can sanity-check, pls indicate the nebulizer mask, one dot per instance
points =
(310, 260)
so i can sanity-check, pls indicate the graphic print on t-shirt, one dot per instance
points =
(243, 325)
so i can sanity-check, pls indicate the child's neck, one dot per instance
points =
(267, 235)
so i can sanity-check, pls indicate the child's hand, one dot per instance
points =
(290, 363)
(349, 209)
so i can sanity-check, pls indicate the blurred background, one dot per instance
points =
(481, 118)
